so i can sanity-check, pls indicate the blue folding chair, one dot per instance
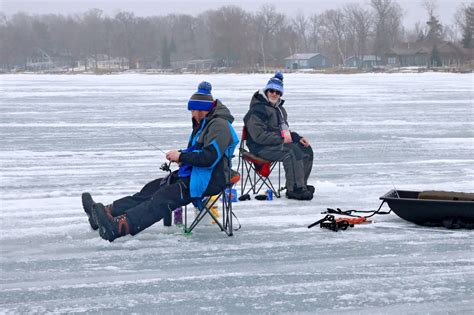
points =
(204, 207)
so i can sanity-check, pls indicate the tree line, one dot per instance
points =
(229, 35)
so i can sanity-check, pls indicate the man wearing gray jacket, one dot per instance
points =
(270, 137)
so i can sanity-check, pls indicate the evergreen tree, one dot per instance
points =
(434, 29)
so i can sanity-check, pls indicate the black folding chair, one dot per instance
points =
(205, 205)
(255, 171)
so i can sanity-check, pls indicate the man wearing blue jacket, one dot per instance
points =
(203, 172)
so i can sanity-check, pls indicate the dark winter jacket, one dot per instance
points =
(263, 122)
(213, 141)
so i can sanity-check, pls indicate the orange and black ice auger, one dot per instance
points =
(343, 223)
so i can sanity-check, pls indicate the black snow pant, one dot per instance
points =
(297, 162)
(154, 202)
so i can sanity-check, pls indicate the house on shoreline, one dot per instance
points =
(363, 62)
(425, 54)
(307, 61)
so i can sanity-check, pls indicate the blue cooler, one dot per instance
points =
(233, 196)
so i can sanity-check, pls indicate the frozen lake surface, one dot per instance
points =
(62, 135)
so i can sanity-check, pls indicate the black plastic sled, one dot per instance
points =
(433, 208)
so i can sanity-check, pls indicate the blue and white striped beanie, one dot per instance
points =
(275, 83)
(202, 99)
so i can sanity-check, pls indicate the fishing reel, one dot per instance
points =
(166, 167)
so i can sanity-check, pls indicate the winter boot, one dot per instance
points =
(299, 194)
(88, 204)
(110, 227)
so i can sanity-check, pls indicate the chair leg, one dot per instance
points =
(279, 180)
(242, 175)
(196, 221)
(249, 168)
(229, 217)
(267, 182)
(224, 226)
(227, 212)
(224, 215)
(249, 175)
(185, 218)
(254, 180)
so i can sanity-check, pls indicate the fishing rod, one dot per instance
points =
(148, 142)
(165, 166)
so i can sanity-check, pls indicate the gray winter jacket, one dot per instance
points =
(263, 122)
(210, 147)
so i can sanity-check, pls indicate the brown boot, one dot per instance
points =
(110, 227)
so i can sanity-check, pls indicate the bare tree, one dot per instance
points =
(387, 17)
(125, 36)
(415, 34)
(185, 34)
(314, 30)
(430, 6)
(335, 26)
(464, 18)
(6, 43)
(300, 25)
(359, 23)
(92, 36)
(18, 41)
(285, 44)
(450, 33)
(228, 33)
(64, 32)
(267, 22)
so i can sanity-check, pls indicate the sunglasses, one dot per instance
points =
(274, 92)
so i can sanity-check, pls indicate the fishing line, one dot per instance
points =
(148, 142)
(165, 166)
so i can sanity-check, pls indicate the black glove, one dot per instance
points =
(244, 197)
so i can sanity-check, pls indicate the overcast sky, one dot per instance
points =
(413, 9)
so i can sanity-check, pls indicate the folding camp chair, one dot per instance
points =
(205, 205)
(256, 171)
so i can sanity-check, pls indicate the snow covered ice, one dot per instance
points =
(63, 135)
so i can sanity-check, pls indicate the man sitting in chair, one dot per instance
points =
(203, 172)
(270, 138)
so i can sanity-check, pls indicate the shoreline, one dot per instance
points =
(410, 70)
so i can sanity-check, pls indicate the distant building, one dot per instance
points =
(307, 61)
(104, 62)
(39, 61)
(421, 54)
(196, 65)
(363, 62)
(108, 63)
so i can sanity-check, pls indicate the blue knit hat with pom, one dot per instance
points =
(275, 83)
(202, 99)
